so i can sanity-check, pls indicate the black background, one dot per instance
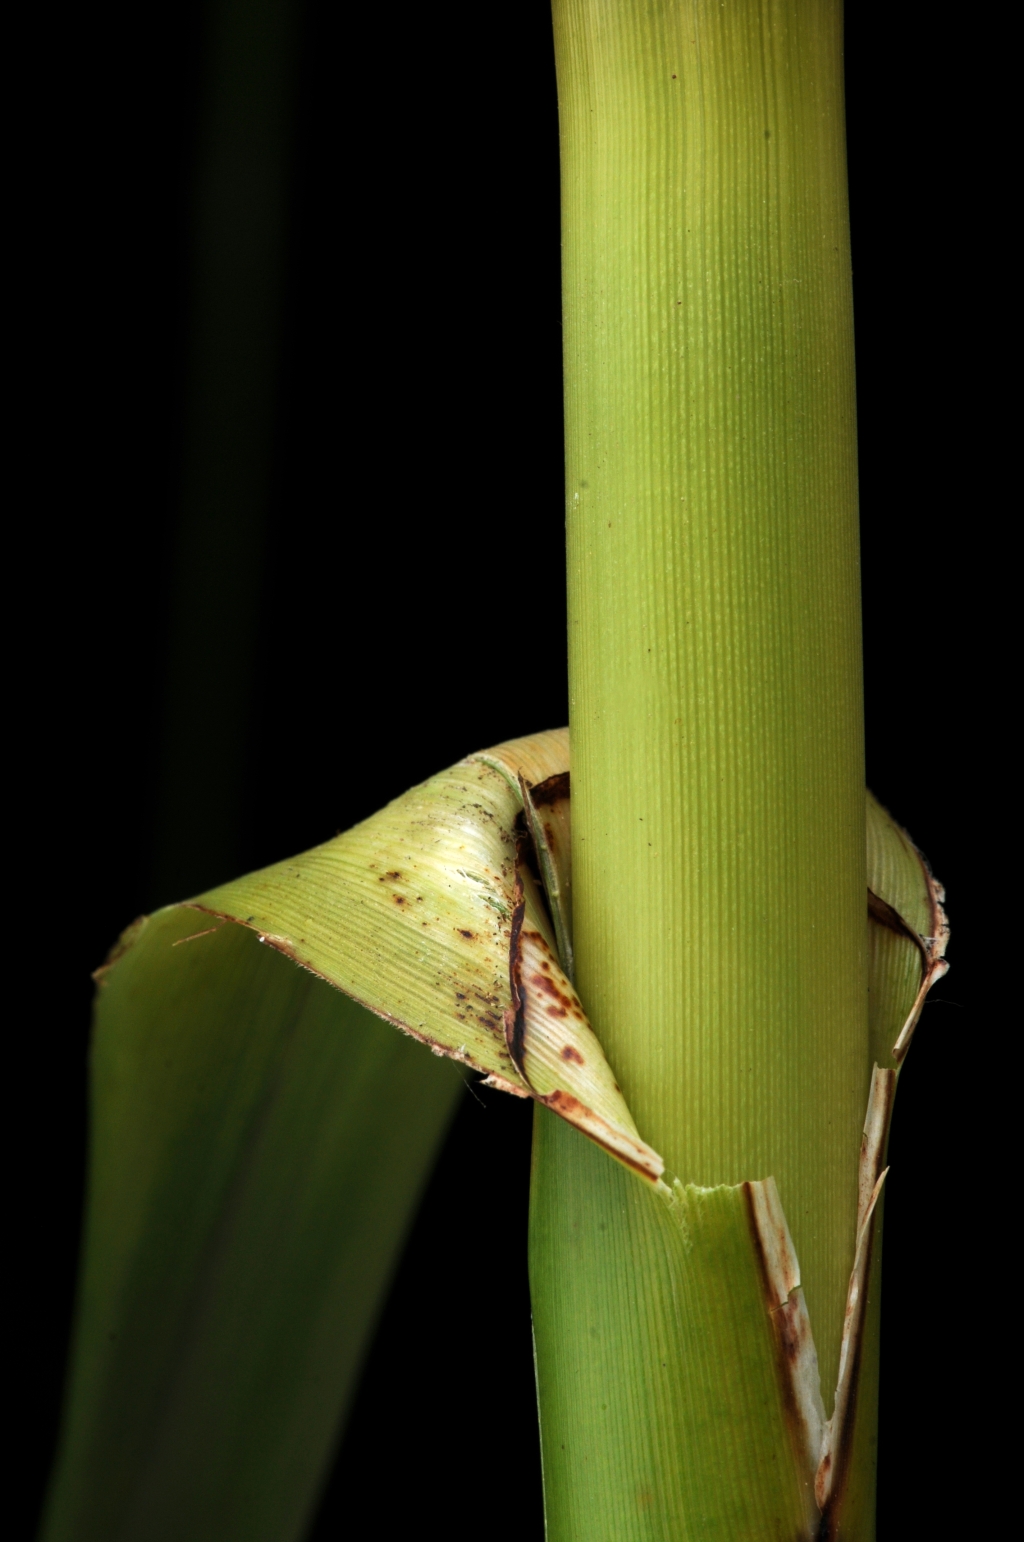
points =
(415, 452)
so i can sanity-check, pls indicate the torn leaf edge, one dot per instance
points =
(932, 949)
(837, 1437)
(795, 1351)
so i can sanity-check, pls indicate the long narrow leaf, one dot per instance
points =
(259, 1139)
(259, 1142)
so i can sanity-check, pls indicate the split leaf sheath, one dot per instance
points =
(260, 1138)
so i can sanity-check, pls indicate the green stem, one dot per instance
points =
(715, 672)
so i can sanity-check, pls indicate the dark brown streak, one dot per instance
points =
(515, 1017)
(570, 1109)
(526, 856)
(526, 852)
(784, 1359)
(552, 790)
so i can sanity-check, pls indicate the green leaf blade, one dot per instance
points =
(259, 1145)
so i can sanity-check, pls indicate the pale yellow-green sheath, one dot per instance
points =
(259, 1138)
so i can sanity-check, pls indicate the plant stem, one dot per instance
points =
(715, 656)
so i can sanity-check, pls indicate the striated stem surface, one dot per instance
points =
(715, 672)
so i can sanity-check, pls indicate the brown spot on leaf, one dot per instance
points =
(463, 933)
(570, 1052)
(550, 988)
(564, 1103)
